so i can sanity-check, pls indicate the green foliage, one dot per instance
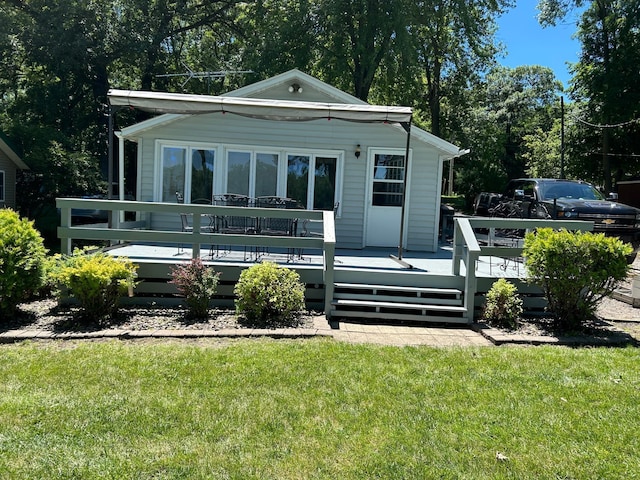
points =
(575, 270)
(198, 284)
(269, 294)
(503, 307)
(22, 257)
(96, 280)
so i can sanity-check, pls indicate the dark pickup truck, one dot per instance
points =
(561, 199)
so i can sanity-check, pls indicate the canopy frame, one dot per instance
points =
(277, 110)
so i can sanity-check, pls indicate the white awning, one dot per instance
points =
(160, 102)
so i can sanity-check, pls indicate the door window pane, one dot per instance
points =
(173, 168)
(202, 162)
(238, 170)
(388, 180)
(324, 192)
(298, 178)
(266, 174)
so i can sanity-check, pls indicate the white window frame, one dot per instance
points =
(188, 147)
(313, 154)
(221, 162)
(386, 151)
(253, 152)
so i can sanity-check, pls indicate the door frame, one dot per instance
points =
(371, 152)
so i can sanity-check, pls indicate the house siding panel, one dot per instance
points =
(9, 169)
(314, 135)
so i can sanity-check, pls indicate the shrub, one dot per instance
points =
(503, 307)
(268, 294)
(22, 257)
(198, 284)
(96, 280)
(575, 271)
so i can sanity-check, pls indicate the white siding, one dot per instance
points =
(316, 135)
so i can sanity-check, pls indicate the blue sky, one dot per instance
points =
(527, 43)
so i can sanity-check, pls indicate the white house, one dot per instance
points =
(10, 163)
(346, 154)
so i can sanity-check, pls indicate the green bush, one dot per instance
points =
(22, 257)
(96, 280)
(502, 307)
(268, 294)
(575, 271)
(198, 284)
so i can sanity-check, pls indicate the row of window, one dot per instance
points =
(312, 179)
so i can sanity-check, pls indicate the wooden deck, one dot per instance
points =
(446, 286)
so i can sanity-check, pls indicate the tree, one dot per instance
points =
(354, 36)
(605, 80)
(452, 39)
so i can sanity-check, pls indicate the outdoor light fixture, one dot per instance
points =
(358, 151)
(295, 88)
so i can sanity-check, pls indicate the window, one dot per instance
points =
(187, 170)
(388, 180)
(2, 199)
(252, 173)
(312, 180)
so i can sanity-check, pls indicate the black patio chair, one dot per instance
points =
(234, 224)
(278, 227)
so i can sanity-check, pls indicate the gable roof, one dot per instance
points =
(7, 149)
(258, 89)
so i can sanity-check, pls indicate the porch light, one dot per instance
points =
(357, 153)
(295, 88)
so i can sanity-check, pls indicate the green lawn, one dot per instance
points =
(317, 409)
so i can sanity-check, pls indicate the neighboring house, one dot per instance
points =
(10, 162)
(357, 166)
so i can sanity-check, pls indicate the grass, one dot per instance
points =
(316, 409)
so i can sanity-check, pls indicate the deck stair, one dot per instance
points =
(395, 302)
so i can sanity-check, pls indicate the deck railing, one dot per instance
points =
(118, 230)
(467, 249)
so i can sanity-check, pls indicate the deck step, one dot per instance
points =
(398, 288)
(398, 294)
(398, 305)
(396, 302)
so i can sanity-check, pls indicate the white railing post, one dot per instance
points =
(329, 249)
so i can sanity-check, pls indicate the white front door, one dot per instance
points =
(384, 203)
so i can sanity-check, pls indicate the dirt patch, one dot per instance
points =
(48, 316)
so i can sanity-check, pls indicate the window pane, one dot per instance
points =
(389, 167)
(387, 194)
(238, 173)
(1, 186)
(202, 174)
(173, 168)
(266, 174)
(324, 190)
(388, 181)
(298, 178)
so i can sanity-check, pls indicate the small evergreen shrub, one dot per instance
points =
(198, 284)
(503, 306)
(96, 280)
(269, 295)
(22, 257)
(575, 271)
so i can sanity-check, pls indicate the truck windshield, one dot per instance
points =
(557, 190)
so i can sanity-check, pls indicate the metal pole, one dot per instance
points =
(407, 127)
(110, 113)
(110, 155)
(561, 137)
